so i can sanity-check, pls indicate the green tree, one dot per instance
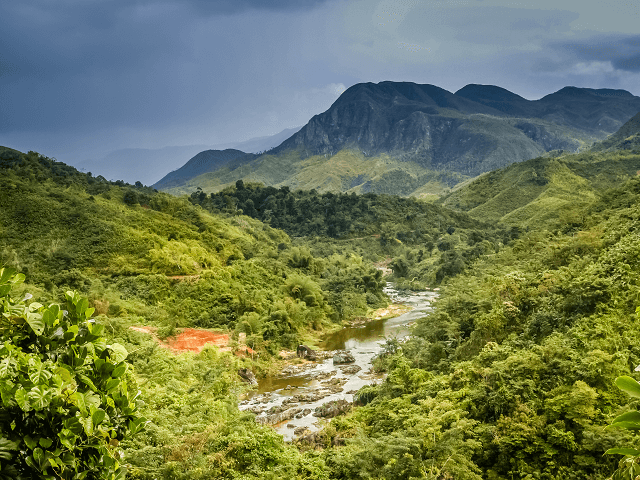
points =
(67, 397)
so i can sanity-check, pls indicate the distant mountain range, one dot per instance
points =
(148, 165)
(407, 138)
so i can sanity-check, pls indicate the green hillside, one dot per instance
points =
(346, 171)
(510, 377)
(627, 138)
(543, 189)
(513, 374)
(147, 257)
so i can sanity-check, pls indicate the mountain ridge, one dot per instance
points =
(424, 129)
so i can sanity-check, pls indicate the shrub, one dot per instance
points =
(67, 397)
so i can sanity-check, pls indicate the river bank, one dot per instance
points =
(298, 400)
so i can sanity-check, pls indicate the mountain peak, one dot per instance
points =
(476, 92)
(496, 97)
(584, 92)
(203, 162)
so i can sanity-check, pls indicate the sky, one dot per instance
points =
(82, 78)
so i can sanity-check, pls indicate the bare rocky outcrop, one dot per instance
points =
(278, 415)
(248, 376)
(342, 357)
(305, 352)
(332, 409)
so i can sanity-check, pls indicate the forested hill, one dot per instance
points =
(510, 377)
(143, 254)
(307, 212)
(627, 138)
(551, 189)
(424, 243)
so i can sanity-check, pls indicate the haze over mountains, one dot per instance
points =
(407, 138)
(149, 164)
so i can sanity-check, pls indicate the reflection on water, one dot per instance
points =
(373, 330)
(363, 342)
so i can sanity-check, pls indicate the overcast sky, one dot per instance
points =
(80, 78)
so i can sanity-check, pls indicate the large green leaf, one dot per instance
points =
(6, 367)
(39, 374)
(628, 385)
(118, 352)
(82, 306)
(35, 322)
(65, 375)
(623, 451)
(22, 399)
(39, 397)
(97, 417)
(633, 416)
(6, 273)
(30, 442)
(119, 370)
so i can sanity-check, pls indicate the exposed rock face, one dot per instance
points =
(278, 415)
(351, 369)
(248, 376)
(450, 136)
(305, 352)
(343, 357)
(462, 131)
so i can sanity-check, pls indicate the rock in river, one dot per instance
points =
(305, 352)
(332, 409)
(343, 357)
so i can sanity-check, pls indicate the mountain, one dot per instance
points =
(203, 162)
(477, 129)
(413, 139)
(261, 144)
(548, 190)
(627, 138)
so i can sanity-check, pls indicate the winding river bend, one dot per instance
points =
(289, 400)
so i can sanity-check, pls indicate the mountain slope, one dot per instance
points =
(627, 138)
(424, 130)
(209, 160)
(549, 189)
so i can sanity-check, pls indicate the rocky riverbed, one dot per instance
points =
(302, 397)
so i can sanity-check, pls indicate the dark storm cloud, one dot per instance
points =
(623, 51)
(237, 6)
(74, 63)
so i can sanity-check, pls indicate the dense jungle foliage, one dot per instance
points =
(544, 191)
(424, 243)
(511, 376)
(157, 260)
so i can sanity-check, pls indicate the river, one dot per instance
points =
(289, 400)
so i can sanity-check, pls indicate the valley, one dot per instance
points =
(511, 373)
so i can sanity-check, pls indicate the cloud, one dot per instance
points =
(620, 52)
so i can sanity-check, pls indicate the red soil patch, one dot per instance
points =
(194, 340)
